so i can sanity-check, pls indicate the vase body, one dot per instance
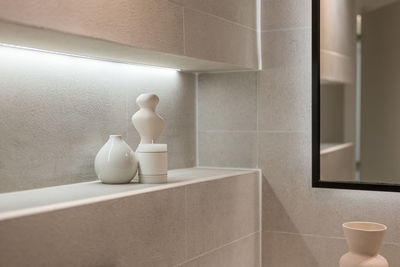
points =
(147, 122)
(116, 163)
(364, 240)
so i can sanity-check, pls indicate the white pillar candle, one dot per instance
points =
(153, 163)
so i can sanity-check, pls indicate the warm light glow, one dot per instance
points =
(139, 67)
(359, 24)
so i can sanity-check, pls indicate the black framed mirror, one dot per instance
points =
(356, 94)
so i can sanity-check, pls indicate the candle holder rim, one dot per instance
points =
(352, 226)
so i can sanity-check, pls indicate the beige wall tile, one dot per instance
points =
(240, 11)
(285, 154)
(151, 24)
(228, 149)
(291, 205)
(59, 114)
(287, 250)
(211, 38)
(282, 99)
(286, 48)
(244, 252)
(227, 101)
(284, 14)
(142, 230)
(221, 211)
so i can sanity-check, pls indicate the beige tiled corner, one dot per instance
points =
(58, 116)
(285, 159)
(151, 24)
(323, 211)
(284, 99)
(142, 230)
(228, 149)
(284, 14)
(212, 38)
(244, 252)
(309, 250)
(288, 250)
(221, 211)
(227, 101)
(177, 101)
(286, 48)
(240, 11)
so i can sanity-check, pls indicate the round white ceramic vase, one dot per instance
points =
(115, 163)
(364, 240)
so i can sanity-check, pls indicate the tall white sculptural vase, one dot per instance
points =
(147, 122)
(153, 160)
(364, 240)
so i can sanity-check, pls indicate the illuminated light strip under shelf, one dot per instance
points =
(143, 66)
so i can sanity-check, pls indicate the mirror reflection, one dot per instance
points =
(360, 91)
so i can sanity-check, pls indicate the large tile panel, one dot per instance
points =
(221, 211)
(244, 252)
(228, 149)
(151, 24)
(284, 99)
(227, 101)
(240, 11)
(142, 230)
(288, 250)
(209, 37)
(287, 48)
(285, 14)
(56, 116)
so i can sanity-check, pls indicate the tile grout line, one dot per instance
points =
(287, 29)
(255, 131)
(258, 31)
(221, 18)
(197, 118)
(218, 248)
(186, 230)
(183, 29)
(257, 118)
(260, 214)
(228, 71)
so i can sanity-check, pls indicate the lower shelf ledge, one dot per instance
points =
(29, 202)
(201, 215)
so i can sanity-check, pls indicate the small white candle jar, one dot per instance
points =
(153, 163)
